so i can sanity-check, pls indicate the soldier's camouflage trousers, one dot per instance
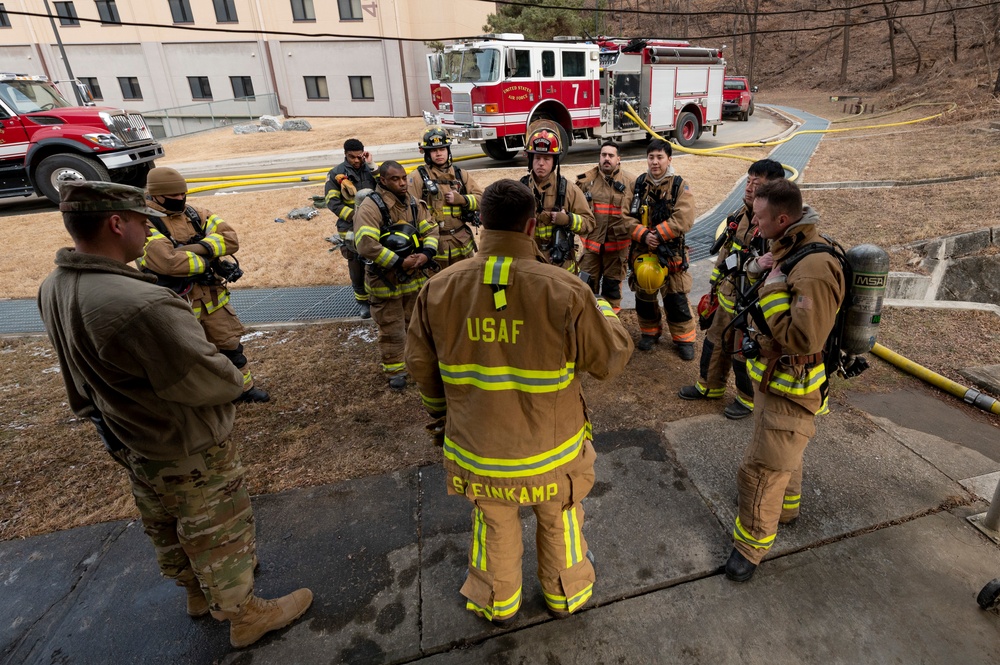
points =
(196, 511)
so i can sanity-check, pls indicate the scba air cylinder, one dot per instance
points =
(870, 272)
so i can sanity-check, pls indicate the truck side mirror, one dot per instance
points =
(753, 89)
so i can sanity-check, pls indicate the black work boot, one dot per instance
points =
(736, 411)
(253, 395)
(646, 342)
(398, 382)
(739, 568)
(365, 310)
(685, 350)
(691, 392)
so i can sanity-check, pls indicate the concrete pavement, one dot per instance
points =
(881, 566)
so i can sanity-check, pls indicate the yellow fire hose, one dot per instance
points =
(968, 395)
(311, 175)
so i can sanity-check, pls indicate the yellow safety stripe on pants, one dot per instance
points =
(748, 403)
(436, 404)
(385, 292)
(606, 308)
(742, 535)
(506, 377)
(572, 537)
(247, 379)
(725, 303)
(361, 297)
(571, 604)
(824, 407)
(463, 250)
(393, 368)
(575, 223)
(791, 502)
(211, 307)
(712, 393)
(495, 467)
(786, 383)
(503, 609)
(775, 303)
(478, 539)
(345, 213)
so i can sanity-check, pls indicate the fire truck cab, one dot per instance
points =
(489, 91)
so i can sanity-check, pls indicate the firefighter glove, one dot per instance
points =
(347, 188)
(560, 218)
(544, 217)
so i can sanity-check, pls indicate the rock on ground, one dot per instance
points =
(296, 126)
(245, 129)
(270, 121)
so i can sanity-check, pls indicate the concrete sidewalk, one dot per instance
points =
(881, 567)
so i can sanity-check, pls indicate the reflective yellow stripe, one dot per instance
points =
(543, 232)
(564, 604)
(385, 257)
(392, 368)
(787, 383)
(367, 232)
(495, 467)
(775, 303)
(497, 270)
(709, 392)
(572, 537)
(791, 502)
(345, 212)
(212, 224)
(606, 308)
(501, 610)
(247, 379)
(575, 222)
(748, 403)
(451, 211)
(430, 242)
(217, 242)
(433, 403)
(505, 377)
(725, 303)
(472, 202)
(464, 250)
(332, 194)
(824, 408)
(424, 227)
(478, 539)
(384, 292)
(742, 535)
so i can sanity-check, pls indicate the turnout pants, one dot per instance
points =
(453, 247)
(493, 585)
(717, 356)
(606, 269)
(770, 476)
(680, 322)
(356, 270)
(393, 317)
(196, 511)
(224, 329)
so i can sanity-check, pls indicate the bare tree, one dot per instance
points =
(890, 15)
(954, 31)
(846, 54)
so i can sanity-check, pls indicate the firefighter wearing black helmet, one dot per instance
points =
(561, 211)
(398, 243)
(451, 195)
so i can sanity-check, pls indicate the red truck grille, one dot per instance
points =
(131, 128)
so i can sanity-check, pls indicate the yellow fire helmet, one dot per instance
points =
(649, 274)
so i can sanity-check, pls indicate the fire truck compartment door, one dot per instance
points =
(713, 111)
(661, 96)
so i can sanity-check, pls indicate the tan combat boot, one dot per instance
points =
(259, 616)
(197, 604)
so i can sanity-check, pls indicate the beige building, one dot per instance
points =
(175, 62)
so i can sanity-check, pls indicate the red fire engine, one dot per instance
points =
(489, 91)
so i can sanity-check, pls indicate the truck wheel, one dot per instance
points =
(57, 169)
(744, 116)
(496, 149)
(989, 597)
(687, 130)
(750, 111)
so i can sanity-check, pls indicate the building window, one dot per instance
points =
(67, 13)
(180, 11)
(4, 17)
(350, 10)
(93, 86)
(302, 10)
(130, 87)
(361, 87)
(200, 89)
(242, 87)
(316, 87)
(225, 11)
(108, 11)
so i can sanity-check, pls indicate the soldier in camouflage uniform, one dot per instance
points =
(136, 362)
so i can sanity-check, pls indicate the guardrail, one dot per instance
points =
(192, 118)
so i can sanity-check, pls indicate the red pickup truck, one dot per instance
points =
(737, 97)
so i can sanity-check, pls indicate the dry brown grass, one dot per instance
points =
(326, 134)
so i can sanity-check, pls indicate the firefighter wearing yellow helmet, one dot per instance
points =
(451, 195)
(561, 211)
(191, 251)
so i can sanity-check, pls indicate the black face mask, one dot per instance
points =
(173, 205)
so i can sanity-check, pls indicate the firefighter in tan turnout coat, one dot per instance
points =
(496, 346)
(797, 310)
(605, 248)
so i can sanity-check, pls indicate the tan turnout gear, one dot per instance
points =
(391, 292)
(503, 384)
(456, 241)
(790, 386)
(670, 220)
(574, 214)
(605, 248)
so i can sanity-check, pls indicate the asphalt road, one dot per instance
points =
(762, 125)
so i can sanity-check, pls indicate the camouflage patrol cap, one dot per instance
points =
(98, 196)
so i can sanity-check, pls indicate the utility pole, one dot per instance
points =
(69, 70)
